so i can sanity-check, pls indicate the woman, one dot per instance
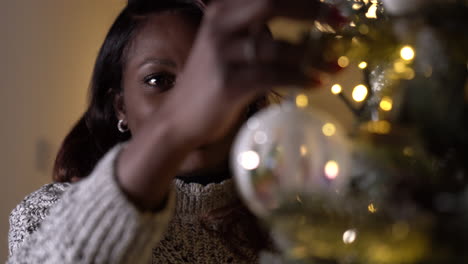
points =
(176, 88)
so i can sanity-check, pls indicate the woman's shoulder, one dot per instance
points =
(35, 206)
(44, 197)
(27, 216)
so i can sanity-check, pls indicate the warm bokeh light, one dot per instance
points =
(260, 137)
(363, 29)
(302, 101)
(336, 89)
(362, 65)
(303, 149)
(359, 93)
(343, 61)
(399, 66)
(408, 151)
(386, 103)
(329, 129)
(249, 160)
(378, 127)
(349, 236)
(356, 6)
(372, 11)
(407, 53)
(409, 74)
(331, 169)
(371, 208)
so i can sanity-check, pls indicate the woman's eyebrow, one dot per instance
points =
(165, 62)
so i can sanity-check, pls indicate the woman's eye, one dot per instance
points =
(162, 82)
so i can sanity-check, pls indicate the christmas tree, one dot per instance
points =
(403, 198)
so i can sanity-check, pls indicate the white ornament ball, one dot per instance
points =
(284, 150)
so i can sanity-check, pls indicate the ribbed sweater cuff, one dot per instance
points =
(96, 223)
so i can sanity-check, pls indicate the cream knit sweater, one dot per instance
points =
(92, 222)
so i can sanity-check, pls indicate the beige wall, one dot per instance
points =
(47, 49)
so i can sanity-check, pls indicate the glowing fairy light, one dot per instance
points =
(343, 61)
(409, 74)
(399, 66)
(372, 11)
(349, 236)
(249, 160)
(362, 65)
(329, 129)
(407, 53)
(378, 127)
(408, 151)
(386, 103)
(302, 101)
(371, 208)
(359, 93)
(336, 89)
(363, 29)
(331, 169)
(356, 6)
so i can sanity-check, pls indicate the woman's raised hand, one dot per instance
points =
(233, 60)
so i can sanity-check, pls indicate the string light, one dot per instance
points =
(399, 66)
(336, 89)
(302, 101)
(386, 103)
(409, 74)
(349, 236)
(362, 65)
(343, 61)
(357, 6)
(378, 127)
(329, 129)
(331, 169)
(408, 151)
(371, 208)
(359, 93)
(372, 11)
(407, 53)
(363, 29)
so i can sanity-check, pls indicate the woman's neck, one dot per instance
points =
(205, 177)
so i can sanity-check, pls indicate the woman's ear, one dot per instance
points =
(119, 107)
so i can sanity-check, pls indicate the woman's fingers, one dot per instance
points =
(266, 51)
(233, 16)
(308, 10)
(263, 78)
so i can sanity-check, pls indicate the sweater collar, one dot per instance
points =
(196, 199)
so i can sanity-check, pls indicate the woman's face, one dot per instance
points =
(155, 58)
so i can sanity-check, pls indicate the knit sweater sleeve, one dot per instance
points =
(86, 222)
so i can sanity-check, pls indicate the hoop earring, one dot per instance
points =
(121, 126)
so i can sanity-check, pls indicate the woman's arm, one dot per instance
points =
(91, 222)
